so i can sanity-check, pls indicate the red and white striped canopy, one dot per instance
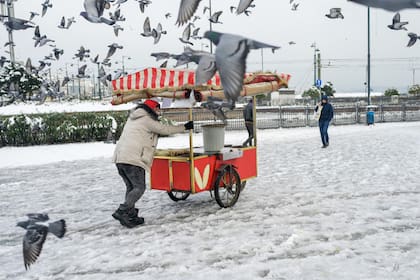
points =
(157, 78)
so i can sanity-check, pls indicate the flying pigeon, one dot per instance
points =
(112, 49)
(161, 55)
(292, 43)
(335, 13)
(33, 14)
(295, 6)
(231, 53)
(397, 24)
(243, 6)
(168, 15)
(94, 10)
(42, 65)
(81, 72)
(103, 77)
(186, 35)
(16, 23)
(187, 9)
(117, 16)
(390, 5)
(157, 33)
(143, 4)
(45, 6)
(117, 28)
(65, 81)
(413, 39)
(147, 31)
(82, 53)
(215, 105)
(195, 34)
(205, 9)
(215, 17)
(62, 24)
(57, 53)
(40, 40)
(9, 43)
(36, 233)
(70, 21)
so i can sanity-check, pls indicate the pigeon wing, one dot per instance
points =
(81, 70)
(63, 22)
(111, 51)
(91, 8)
(38, 217)
(187, 9)
(146, 26)
(231, 54)
(206, 69)
(413, 39)
(396, 18)
(32, 244)
(252, 44)
(242, 6)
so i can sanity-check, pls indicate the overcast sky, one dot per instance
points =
(342, 43)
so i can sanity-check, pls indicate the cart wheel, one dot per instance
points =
(177, 196)
(227, 187)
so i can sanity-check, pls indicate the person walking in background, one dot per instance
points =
(249, 122)
(134, 154)
(325, 113)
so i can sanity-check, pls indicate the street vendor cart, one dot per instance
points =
(222, 169)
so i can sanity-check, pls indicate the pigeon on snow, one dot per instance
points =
(36, 233)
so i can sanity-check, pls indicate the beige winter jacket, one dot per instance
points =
(139, 138)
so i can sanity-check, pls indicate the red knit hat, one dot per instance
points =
(152, 104)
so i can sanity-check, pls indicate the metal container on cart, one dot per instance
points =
(213, 137)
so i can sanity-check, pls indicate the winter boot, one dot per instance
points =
(121, 214)
(133, 218)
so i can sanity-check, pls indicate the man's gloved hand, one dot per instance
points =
(189, 125)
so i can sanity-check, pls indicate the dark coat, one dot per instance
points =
(248, 112)
(327, 112)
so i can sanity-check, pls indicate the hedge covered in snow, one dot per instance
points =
(58, 128)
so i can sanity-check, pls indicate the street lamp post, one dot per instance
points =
(123, 68)
(262, 60)
(315, 51)
(8, 5)
(211, 26)
(99, 81)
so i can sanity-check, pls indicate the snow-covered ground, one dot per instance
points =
(347, 212)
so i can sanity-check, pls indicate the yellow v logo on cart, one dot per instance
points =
(202, 181)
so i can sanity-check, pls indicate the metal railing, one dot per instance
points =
(300, 116)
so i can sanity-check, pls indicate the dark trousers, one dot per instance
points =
(135, 180)
(323, 129)
(250, 128)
